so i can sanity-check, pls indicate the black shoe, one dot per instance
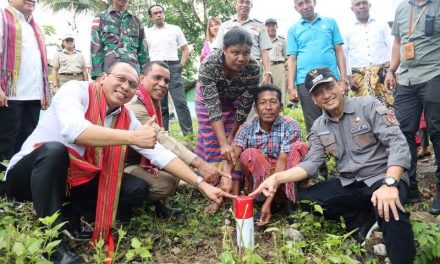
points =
(289, 210)
(166, 212)
(414, 195)
(364, 221)
(64, 255)
(435, 204)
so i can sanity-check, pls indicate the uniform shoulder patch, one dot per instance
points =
(387, 115)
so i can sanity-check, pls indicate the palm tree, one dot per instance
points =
(76, 7)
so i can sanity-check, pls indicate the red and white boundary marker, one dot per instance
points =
(244, 219)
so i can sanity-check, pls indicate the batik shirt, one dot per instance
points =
(116, 36)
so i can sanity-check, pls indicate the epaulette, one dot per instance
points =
(258, 21)
(281, 37)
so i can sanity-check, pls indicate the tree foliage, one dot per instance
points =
(191, 15)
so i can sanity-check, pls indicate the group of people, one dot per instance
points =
(101, 148)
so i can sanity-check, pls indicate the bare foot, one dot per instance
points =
(212, 208)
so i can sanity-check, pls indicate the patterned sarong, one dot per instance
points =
(369, 79)
(207, 144)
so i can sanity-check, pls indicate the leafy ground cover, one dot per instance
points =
(196, 237)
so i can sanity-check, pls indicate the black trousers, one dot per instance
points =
(41, 176)
(354, 200)
(17, 121)
(410, 101)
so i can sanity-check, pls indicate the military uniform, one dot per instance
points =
(365, 141)
(70, 66)
(260, 38)
(116, 36)
(277, 57)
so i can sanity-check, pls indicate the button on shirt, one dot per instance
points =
(260, 37)
(368, 44)
(426, 64)
(283, 133)
(365, 142)
(278, 51)
(313, 44)
(163, 43)
(68, 62)
(30, 79)
(65, 120)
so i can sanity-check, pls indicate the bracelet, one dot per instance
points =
(268, 72)
(198, 181)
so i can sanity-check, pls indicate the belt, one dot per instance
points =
(276, 62)
(171, 62)
(71, 74)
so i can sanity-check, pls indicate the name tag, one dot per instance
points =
(359, 128)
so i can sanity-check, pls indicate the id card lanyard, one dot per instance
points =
(411, 27)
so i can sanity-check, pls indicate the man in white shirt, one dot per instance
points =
(81, 142)
(368, 51)
(163, 41)
(24, 87)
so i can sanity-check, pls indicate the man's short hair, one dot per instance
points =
(115, 63)
(267, 87)
(151, 7)
(237, 36)
(150, 64)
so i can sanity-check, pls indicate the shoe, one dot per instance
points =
(414, 195)
(64, 255)
(81, 231)
(289, 210)
(166, 212)
(363, 222)
(435, 205)
(422, 152)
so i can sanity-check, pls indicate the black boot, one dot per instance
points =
(435, 204)
(414, 195)
(165, 212)
(65, 255)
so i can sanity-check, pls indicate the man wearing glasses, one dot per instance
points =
(81, 143)
(24, 88)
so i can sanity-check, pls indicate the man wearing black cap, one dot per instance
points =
(277, 57)
(372, 156)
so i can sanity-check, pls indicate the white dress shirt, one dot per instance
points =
(164, 42)
(30, 79)
(368, 44)
(65, 120)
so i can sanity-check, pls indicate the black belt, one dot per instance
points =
(276, 62)
(172, 62)
(71, 74)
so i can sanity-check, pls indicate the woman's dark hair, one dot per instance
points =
(267, 87)
(237, 36)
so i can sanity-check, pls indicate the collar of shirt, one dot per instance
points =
(20, 15)
(370, 20)
(257, 123)
(427, 2)
(165, 25)
(317, 17)
(348, 109)
(73, 52)
(246, 21)
(112, 9)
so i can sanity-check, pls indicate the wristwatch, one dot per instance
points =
(390, 181)
(198, 181)
(268, 72)
(393, 72)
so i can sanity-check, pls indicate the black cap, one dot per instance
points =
(270, 21)
(318, 76)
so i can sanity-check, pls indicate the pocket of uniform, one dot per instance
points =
(329, 143)
(364, 140)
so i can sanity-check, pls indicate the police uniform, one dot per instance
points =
(365, 141)
(260, 38)
(277, 57)
(70, 66)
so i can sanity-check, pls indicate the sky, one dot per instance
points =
(282, 10)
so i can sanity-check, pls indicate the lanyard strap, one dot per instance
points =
(412, 27)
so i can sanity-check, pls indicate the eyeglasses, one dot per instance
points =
(122, 78)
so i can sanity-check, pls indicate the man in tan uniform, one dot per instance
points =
(277, 58)
(146, 103)
(68, 64)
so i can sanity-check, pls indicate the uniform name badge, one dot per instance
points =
(408, 51)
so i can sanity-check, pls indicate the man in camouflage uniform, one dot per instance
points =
(117, 35)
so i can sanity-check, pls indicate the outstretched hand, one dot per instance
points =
(268, 187)
(213, 193)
